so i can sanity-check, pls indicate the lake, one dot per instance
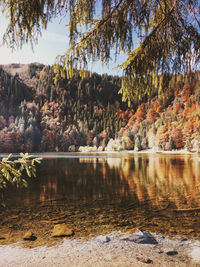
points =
(96, 194)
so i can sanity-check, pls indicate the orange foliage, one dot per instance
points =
(151, 115)
(124, 115)
(193, 107)
(155, 104)
(188, 129)
(130, 114)
(186, 92)
(177, 106)
(177, 137)
(189, 110)
(186, 88)
(131, 121)
(100, 111)
(139, 113)
(175, 93)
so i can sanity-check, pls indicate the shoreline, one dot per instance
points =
(82, 153)
(116, 249)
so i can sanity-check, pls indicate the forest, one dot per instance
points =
(87, 114)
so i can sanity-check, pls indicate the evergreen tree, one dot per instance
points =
(171, 143)
(137, 144)
(188, 145)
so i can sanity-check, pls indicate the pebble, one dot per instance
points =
(172, 253)
(103, 239)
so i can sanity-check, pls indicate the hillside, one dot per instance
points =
(176, 126)
(36, 115)
(88, 115)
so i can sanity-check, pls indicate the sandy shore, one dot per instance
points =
(115, 249)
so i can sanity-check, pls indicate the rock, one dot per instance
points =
(103, 239)
(142, 237)
(29, 236)
(61, 230)
(172, 253)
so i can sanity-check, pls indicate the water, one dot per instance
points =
(96, 194)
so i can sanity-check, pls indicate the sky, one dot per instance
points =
(53, 42)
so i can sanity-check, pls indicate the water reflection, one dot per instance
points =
(175, 178)
(114, 192)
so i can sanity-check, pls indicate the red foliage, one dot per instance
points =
(11, 141)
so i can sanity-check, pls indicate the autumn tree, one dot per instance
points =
(151, 115)
(167, 32)
(139, 114)
(177, 137)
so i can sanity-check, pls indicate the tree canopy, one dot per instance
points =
(168, 33)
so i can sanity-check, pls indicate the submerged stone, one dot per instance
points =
(62, 230)
(29, 236)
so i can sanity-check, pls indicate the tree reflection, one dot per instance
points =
(155, 177)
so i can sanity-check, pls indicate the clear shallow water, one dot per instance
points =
(95, 194)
